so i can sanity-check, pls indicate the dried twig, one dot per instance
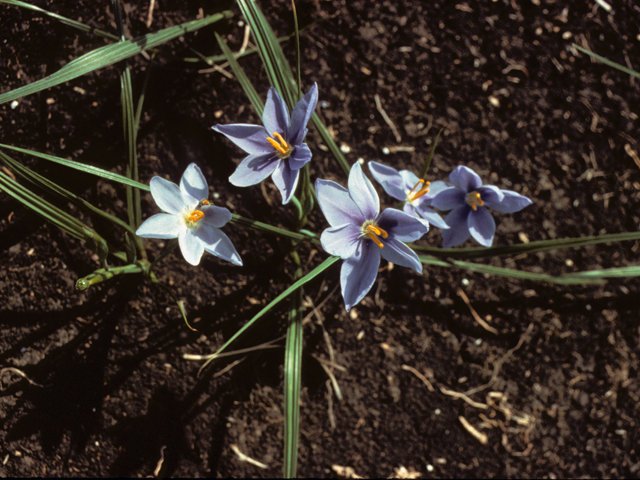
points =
(481, 437)
(245, 458)
(156, 472)
(475, 315)
(473, 403)
(386, 118)
(420, 376)
(19, 372)
(152, 4)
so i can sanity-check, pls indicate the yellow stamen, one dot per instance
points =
(195, 216)
(377, 230)
(205, 202)
(474, 200)
(279, 143)
(416, 192)
(375, 239)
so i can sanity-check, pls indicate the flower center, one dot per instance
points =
(418, 190)
(280, 144)
(474, 200)
(197, 215)
(371, 230)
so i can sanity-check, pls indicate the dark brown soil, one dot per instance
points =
(553, 394)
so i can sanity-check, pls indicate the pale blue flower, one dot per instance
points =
(468, 202)
(275, 149)
(360, 235)
(190, 218)
(416, 193)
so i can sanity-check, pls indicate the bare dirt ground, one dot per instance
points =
(551, 391)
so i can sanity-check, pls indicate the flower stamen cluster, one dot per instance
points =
(280, 144)
(373, 232)
(474, 201)
(420, 189)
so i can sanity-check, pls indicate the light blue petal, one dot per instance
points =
(482, 226)
(409, 180)
(167, 195)
(190, 246)
(275, 116)
(401, 225)
(214, 216)
(458, 231)
(390, 179)
(512, 202)
(341, 241)
(449, 198)
(250, 138)
(434, 189)
(363, 193)
(337, 205)
(254, 169)
(398, 253)
(490, 194)
(286, 180)
(359, 272)
(217, 243)
(193, 185)
(431, 216)
(465, 178)
(300, 157)
(301, 114)
(161, 225)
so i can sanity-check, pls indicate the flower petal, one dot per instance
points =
(337, 205)
(254, 169)
(401, 225)
(434, 189)
(214, 216)
(301, 114)
(275, 115)
(512, 202)
(217, 243)
(167, 195)
(397, 252)
(390, 179)
(363, 193)
(190, 246)
(458, 230)
(161, 225)
(482, 226)
(250, 138)
(286, 180)
(465, 178)
(193, 185)
(359, 272)
(431, 216)
(409, 180)
(341, 241)
(300, 157)
(490, 194)
(449, 198)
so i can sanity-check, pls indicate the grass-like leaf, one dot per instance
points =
(308, 277)
(67, 21)
(110, 54)
(525, 248)
(608, 62)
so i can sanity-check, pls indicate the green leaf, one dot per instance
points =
(67, 21)
(110, 54)
(82, 167)
(608, 62)
(307, 278)
(525, 248)
(427, 162)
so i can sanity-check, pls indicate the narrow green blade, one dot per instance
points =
(608, 62)
(308, 277)
(67, 21)
(110, 54)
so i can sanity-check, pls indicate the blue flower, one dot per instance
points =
(468, 202)
(275, 149)
(360, 235)
(406, 186)
(190, 218)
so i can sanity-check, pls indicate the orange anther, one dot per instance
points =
(195, 216)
